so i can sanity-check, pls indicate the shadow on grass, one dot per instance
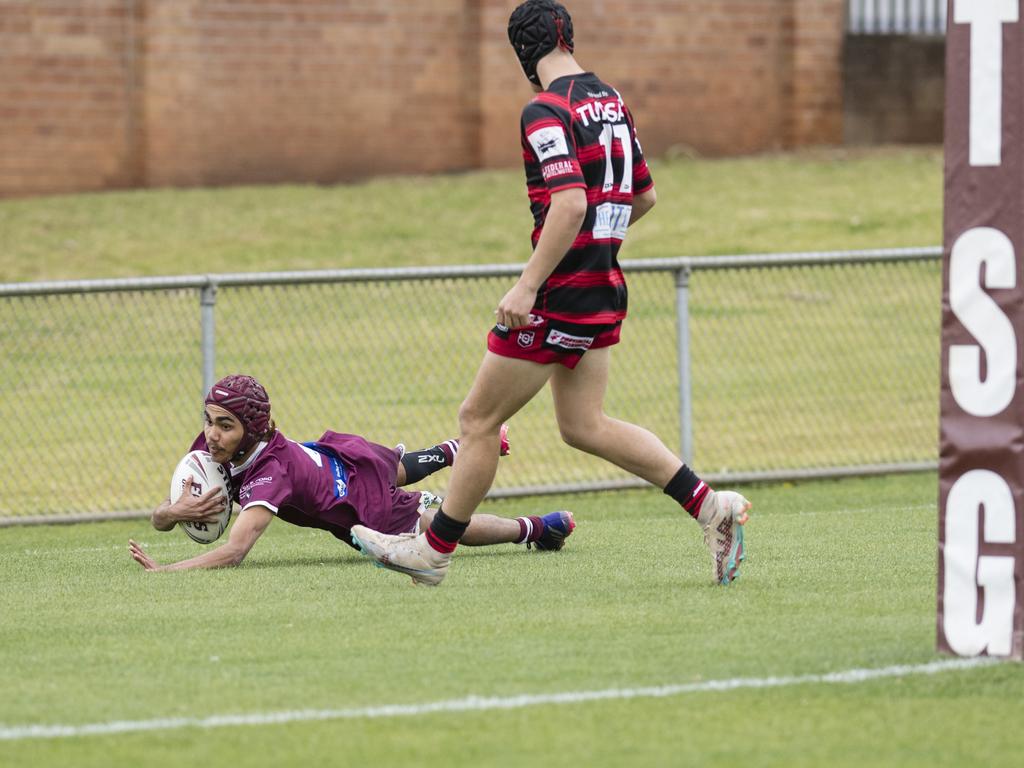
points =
(342, 560)
(505, 551)
(346, 559)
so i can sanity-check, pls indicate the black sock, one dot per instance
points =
(687, 489)
(420, 464)
(444, 532)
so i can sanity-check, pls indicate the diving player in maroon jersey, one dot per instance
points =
(333, 483)
(587, 182)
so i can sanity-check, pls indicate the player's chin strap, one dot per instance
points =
(245, 446)
(249, 442)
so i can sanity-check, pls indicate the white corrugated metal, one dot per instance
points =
(896, 17)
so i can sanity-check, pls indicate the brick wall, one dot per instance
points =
(721, 77)
(814, 113)
(894, 89)
(98, 94)
(305, 90)
(67, 119)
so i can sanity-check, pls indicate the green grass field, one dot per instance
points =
(807, 201)
(168, 669)
(791, 368)
(840, 576)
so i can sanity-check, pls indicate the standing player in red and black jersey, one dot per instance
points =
(587, 183)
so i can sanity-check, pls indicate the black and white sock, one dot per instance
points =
(420, 464)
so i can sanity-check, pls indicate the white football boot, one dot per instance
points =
(406, 553)
(722, 515)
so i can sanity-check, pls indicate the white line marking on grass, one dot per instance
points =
(479, 703)
(108, 548)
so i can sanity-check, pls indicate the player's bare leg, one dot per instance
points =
(483, 529)
(502, 386)
(579, 407)
(545, 532)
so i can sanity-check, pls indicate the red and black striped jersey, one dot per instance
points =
(579, 133)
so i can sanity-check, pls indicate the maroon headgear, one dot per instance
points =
(248, 401)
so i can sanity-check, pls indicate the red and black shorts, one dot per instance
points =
(548, 341)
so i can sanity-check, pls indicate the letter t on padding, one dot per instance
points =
(986, 18)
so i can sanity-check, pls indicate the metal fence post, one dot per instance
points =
(207, 304)
(683, 338)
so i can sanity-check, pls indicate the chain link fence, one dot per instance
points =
(752, 367)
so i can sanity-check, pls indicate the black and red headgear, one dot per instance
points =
(535, 29)
(246, 398)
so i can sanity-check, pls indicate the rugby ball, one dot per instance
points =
(206, 474)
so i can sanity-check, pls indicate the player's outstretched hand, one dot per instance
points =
(139, 556)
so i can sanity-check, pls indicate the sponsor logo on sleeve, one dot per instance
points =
(568, 341)
(548, 141)
(246, 491)
(558, 168)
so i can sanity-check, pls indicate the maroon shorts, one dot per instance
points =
(372, 499)
(549, 341)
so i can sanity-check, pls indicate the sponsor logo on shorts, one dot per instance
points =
(340, 477)
(525, 338)
(548, 142)
(568, 341)
(536, 319)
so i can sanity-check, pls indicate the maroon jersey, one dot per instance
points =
(333, 483)
(579, 133)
